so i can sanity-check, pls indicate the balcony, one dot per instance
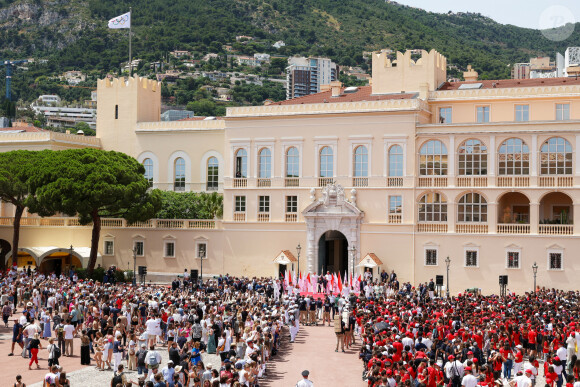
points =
(291, 217)
(394, 181)
(114, 223)
(471, 181)
(513, 181)
(556, 229)
(556, 181)
(471, 228)
(432, 182)
(513, 228)
(432, 227)
(239, 216)
(360, 181)
(264, 182)
(240, 182)
(395, 218)
(292, 182)
(263, 217)
(324, 181)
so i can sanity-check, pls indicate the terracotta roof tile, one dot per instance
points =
(364, 93)
(373, 257)
(509, 83)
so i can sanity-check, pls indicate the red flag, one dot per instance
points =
(308, 278)
(339, 283)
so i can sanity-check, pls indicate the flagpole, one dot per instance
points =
(130, 53)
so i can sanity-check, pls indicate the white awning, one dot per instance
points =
(39, 253)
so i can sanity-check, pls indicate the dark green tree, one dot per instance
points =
(16, 168)
(92, 183)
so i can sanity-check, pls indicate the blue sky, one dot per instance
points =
(523, 13)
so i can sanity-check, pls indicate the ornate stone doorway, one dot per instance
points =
(333, 223)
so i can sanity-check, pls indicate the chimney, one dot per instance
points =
(470, 75)
(335, 87)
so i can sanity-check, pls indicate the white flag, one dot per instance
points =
(123, 21)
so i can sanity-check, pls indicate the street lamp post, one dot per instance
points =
(298, 248)
(447, 262)
(134, 265)
(535, 270)
(201, 256)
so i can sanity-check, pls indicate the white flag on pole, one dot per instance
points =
(123, 21)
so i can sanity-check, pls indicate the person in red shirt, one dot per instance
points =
(532, 336)
(519, 359)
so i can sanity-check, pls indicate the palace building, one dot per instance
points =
(399, 175)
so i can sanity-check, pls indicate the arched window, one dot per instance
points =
(212, 173)
(396, 161)
(432, 208)
(265, 163)
(513, 157)
(148, 164)
(472, 158)
(241, 163)
(556, 157)
(292, 162)
(361, 161)
(326, 162)
(433, 159)
(472, 207)
(179, 180)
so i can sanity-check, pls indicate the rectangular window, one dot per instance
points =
(240, 204)
(109, 248)
(291, 204)
(445, 115)
(522, 113)
(116, 112)
(562, 111)
(264, 204)
(513, 259)
(430, 257)
(170, 249)
(471, 258)
(201, 250)
(555, 261)
(139, 248)
(482, 114)
(395, 204)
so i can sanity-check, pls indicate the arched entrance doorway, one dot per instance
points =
(332, 252)
(332, 227)
(59, 263)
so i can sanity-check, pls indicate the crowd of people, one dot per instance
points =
(407, 336)
(125, 328)
(410, 337)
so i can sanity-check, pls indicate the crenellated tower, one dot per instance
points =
(122, 103)
(406, 75)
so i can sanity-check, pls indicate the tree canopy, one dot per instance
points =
(190, 205)
(16, 169)
(92, 183)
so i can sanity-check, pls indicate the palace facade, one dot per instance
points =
(398, 175)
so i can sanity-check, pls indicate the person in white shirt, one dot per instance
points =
(153, 327)
(533, 371)
(68, 338)
(469, 380)
(562, 353)
(522, 380)
(304, 382)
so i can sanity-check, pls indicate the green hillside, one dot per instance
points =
(73, 33)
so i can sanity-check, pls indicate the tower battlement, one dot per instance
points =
(406, 75)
